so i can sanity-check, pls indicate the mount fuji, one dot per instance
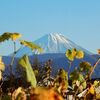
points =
(52, 43)
(55, 46)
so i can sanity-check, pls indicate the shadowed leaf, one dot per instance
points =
(24, 62)
(85, 66)
(5, 36)
(77, 76)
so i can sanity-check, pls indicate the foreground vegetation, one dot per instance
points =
(37, 82)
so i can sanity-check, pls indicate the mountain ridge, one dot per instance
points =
(58, 61)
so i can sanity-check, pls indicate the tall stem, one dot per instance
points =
(13, 56)
(70, 64)
(94, 68)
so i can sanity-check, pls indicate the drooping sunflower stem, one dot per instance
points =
(13, 56)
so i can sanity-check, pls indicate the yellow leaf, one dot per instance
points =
(96, 83)
(2, 66)
(79, 54)
(91, 89)
(31, 45)
(70, 55)
(74, 52)
(0, 75)
(15, 36)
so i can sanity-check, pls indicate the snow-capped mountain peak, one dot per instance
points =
(57, 43)
(58, 37)
(53, 43)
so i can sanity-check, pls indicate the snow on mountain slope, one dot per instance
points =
(57, 43)
(53, 43)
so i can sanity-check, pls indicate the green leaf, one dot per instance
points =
(24, 62)
(74, 75)
(31, 45)
(77, 76)
(79, 54)
(6, 97)
(80, 77)
(82, 80)
(96, 83)
(84, 85)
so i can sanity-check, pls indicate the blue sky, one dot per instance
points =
(79, 20)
